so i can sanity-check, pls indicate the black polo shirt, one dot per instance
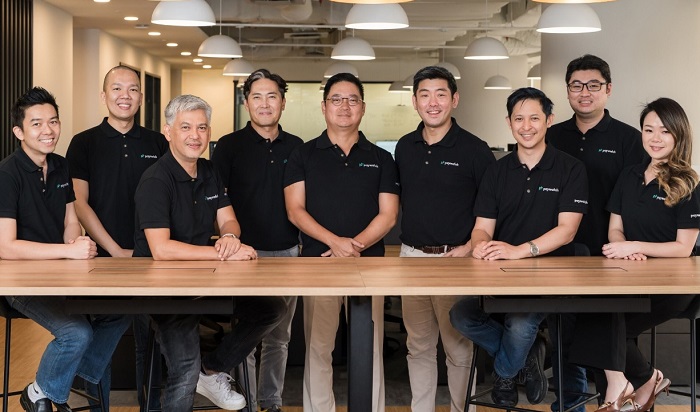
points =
(342, 193)
(112, 163)
(38, 207)
(645, 216)
(252, 169)
(526, 203)
(605, 150)
(439, 184)
(167, 197)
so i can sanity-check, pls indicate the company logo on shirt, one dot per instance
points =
(369, 165)
(585, 202)
(610, 151)
(657, 197)
(548, 189)
(61, 185)
(446, 163)
(208, 198)
(147, 156)
(695, 216)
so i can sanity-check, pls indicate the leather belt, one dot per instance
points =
(434, 250)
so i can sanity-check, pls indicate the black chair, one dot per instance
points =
(148, 381)
(9, 313)
(692, 313)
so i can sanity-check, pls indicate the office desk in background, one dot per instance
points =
(359, 278)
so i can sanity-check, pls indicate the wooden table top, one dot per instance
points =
(350, 276)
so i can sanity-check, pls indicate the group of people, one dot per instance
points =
(583, 186)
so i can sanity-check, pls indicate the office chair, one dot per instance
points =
(9, 313)
(692, 313)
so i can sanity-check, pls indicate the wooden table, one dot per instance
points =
(359, 278)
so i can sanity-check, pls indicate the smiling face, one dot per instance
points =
(39, 132)
(657, 140)
(343, 117)
(189, 135)
(587, 104)
(122, 94)
(434, 103)
(265, 103)
(529, 124)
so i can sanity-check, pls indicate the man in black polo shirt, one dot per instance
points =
(106, 163)
(530, 203)
(178, 200)
(605, 146)
(341, 191)
(251, 163)
(38, 221)
(440, 168)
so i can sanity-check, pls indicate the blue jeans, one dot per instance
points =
(507, 343)
(274, 351)
(80, 346)
(574, 380)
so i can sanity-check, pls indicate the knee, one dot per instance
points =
(523, 326)
(76, 334)
(465, 312)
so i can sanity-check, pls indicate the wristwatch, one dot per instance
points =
(534, 250)
(229, 235)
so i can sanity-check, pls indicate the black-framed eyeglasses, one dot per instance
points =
(337, 100)
(592, 86)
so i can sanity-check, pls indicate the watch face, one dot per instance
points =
(534, 250)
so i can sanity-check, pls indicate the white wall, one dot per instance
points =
(53, 62)
(652, 48)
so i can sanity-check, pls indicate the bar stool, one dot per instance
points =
(692, 313)
(10, 313)
(148, 374)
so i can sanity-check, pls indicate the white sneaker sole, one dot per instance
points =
(231, 406)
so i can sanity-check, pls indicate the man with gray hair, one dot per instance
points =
(177, 200)
(251, 162)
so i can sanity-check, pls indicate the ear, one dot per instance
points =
(166, 131)
(284, 103)
(508, 123)
(19, 133)
(608, 89)
(103, 97)
(413, 99)
(455, 100)
(550, 120)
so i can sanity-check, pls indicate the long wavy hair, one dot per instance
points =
(676, 177)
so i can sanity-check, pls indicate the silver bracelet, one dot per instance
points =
(229, 235)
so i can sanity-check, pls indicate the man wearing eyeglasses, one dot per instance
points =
(606, 146)
(341, 191)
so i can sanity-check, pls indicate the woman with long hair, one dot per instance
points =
(655, 212)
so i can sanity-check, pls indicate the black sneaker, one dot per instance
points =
(504, 392)
(42, 405)
(533, 373)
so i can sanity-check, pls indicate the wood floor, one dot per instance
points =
(29, 341)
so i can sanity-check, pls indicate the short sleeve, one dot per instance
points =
(152, 201)
(78, 155)
(574, 197)
(483, 159)
(688, 213)
(9, 187)
(614, 204)
(295, 171)
(389, 179)
(222, 159)
(486, 204)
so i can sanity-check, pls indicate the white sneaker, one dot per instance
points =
(217, 388)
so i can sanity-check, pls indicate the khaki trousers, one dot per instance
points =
(320, 326)
(425, 318)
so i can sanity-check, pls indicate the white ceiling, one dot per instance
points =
(269, 29)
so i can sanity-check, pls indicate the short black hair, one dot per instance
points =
(264, 74)
(588, 62)
(529, 93)
(32, 97)
(343, 77)
(435, 72)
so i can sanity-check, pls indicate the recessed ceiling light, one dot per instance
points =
(171, 44)
(154, 33)
(197, 60)
(131, 18)
(185, 53)
(207, 66)
(101, 1)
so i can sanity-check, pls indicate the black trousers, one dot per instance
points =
(607, 341)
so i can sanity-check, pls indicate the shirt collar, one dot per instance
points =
(28, 164)
(258, 138)
(109, 131)
(324, 142)
(602, 125)
(449, 140)
(178, 171)
(546, 162)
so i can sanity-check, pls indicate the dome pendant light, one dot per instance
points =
(220, 46)
(568, 18)
(376, 17)
(353, 48)
(188, 13)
